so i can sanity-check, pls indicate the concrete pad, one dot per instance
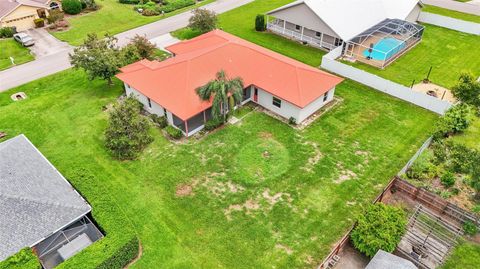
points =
(164, 41)
(45, 43)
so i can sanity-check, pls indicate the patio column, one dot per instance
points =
(321, 39)
(284, 26)
(204, 117)
(186, 128)
(301, 37)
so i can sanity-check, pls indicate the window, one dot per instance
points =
(325, 96)
(297, 27)
(149, 102)
(277, 102)
(318, 34)
(338, 42)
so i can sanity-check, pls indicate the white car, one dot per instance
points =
(24, 39)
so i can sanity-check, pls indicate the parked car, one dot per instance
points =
(24, 39)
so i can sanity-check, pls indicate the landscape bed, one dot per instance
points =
(182, 199)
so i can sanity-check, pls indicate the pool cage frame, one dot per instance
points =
(409, 34)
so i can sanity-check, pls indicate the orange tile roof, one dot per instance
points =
(172, 83)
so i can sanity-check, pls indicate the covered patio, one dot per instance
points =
(381, 44)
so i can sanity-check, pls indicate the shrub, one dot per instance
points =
(144, 47)
(381, 227)
(160, 121)
(455, 120)
(89, 4)
(122, 257)
(173, 5)
(469, 228)
(173, 132)
(448, 179)
(212, 124)
(292, 121)
(72, 6)
(127, 132)
(422, 168)
(6, 32)
(24, 259)
(467, 90)
(203, 20)
(260, 23)
(54, 16)
(39, 22)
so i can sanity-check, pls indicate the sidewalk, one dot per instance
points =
(470, 8)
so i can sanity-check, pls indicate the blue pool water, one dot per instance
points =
(385, 49)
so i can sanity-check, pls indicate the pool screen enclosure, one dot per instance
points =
(383, 43)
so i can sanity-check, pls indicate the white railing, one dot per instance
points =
(298, 36)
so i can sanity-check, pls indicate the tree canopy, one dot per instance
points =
(467, 90)
(203, 20)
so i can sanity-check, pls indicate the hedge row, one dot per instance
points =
(173, 5)
(120, 244)
(24, 259)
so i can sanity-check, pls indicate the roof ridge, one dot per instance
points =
(15, 197)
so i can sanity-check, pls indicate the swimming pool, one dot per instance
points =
(385, 48)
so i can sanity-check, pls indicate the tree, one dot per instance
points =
(72, 6)
(467, 90)
(221, 88)
(127, 133)
(260, 23)
(455, 120)
(381, 227)
(144, 47)
(203, 20)
(100, 58)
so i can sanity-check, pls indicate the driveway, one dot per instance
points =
(57, 61)
(45, 43)
(164, 41)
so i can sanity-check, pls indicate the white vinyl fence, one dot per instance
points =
(389, 87)
(450, 23)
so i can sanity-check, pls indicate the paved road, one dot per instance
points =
(470, 8)
(53, 63)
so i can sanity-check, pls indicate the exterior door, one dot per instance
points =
(255, 94)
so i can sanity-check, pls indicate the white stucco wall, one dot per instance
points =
(315, 105)
(155, 109)
(413, 16)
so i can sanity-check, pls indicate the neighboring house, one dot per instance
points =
(38, 207)
(331, 22)
(22, 13)
(282, 85)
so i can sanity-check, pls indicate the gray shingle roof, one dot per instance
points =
(383, 260)
(35, 199)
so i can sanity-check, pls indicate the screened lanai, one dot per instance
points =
(381, 44)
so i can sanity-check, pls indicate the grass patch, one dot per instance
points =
(11, 48)
(470, 137)
(464, 256)
(449, 53)
(241, 22)
(452, 13)
(289, 219)
(185, 33)
(112, 18)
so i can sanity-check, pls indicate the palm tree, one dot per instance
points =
(221, 88)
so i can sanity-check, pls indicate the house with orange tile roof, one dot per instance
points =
(280, 84)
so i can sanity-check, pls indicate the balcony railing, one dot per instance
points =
(315, 42)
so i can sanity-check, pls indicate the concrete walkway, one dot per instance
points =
(470, 8)
(164, 41)
(59, 61)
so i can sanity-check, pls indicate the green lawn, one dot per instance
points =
(470, 137)
(11, 48)
(241, 22)
(464, 256)
(451, 13)
(113, 18)
(449, 52)
(321, 177)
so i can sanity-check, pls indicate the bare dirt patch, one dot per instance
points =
(184, 190)
(344, 174)
(285, 248)
(314, 159)
(265, 135)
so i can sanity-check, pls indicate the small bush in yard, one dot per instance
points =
(469, 228)
(173, 132)
(160, 121)
(54, 16)
(203, 20)
(6, 32)
(448, 179)
(39, 22)
(260, 23)
(172, 5)
(292, 121)
(380, 227)
(212, 124)
(455, 120)
(130, 2)
(422, 168)
(127, 132)
(72, 6)
(24, 259)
